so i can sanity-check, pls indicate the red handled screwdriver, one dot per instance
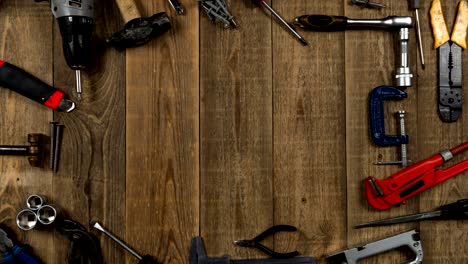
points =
(18, 80)
(286, 24)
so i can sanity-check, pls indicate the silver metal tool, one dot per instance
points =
(286, 24)
(47, 214)
(26, 219)
(96, 225)
(403, 147)
(217, 11)
(326, 23)
(409, 239)
(368, 4)
(35, 201)
(416, 4)
(177, 6)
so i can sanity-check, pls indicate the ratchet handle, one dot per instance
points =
(18, 80)
(322, 23)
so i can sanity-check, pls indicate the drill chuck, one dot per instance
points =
(75, 19)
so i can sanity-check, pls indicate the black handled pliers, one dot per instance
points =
(255, 242)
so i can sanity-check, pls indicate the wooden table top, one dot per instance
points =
(223, 133)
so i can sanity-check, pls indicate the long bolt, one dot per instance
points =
(286, 24)
(404, 154)
(96, 225)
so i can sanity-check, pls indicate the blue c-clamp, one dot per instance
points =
(377, 115)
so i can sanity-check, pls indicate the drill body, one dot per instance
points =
(75, 19)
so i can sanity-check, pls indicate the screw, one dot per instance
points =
(368, 4)
(404, 153)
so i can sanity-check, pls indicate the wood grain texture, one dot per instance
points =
(20, 23)
(91, 182)
(236, 130)
(309, 133)
(371, 56)
(443, 240)
(162, 139)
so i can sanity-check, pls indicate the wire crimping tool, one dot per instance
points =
(414, 179)
(255, 242)
(450, 59)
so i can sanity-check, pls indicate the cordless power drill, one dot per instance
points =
(75, 19)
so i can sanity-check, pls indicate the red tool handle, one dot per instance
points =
(395, 190)
(20, 81)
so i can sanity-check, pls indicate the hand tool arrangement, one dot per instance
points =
(76, 19)
(414, 179)
(410, 240)
(147, 259)
(14, 254)
(325, 23)
(453, 211)
(218, 12)
(84, 247)
(198, 256)
(450, 59)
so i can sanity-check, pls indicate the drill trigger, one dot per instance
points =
(377, 116)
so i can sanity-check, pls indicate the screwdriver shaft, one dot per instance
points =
(286, 24)
(118, 241)
(418, 33)
(78, 84)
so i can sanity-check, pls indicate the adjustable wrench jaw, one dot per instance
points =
(395, 190)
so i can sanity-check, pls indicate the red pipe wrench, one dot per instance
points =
(414, 179)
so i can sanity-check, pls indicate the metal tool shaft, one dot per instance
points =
(418, 35)
(118, 241)
(402, 219)
(286, 24)
(391, 22)
(404, 155)
(78, 84)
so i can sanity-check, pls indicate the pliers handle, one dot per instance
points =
(255, 242)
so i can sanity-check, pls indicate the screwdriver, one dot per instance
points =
(286, 24)
(453, 211)
(416, 4)
(142, 259)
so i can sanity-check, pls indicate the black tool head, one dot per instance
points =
(139, 31)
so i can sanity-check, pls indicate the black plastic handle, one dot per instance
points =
(457, 210)
(322, 23)
(18, 80)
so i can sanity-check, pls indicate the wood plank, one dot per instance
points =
(26, 40)
(370, 62)
(443, 240)
(309, 133)
(162, 192)
(236, 130)
(91, 179)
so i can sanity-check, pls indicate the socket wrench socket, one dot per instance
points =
(26, 219)
(47, 214)
(34, 202)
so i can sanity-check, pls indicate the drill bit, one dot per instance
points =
(78, 84)
(286, 24)
(416, 4)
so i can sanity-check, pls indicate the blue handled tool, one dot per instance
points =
(377, 116)
(11, 254)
